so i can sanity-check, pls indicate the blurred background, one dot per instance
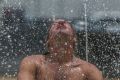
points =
(24, 25)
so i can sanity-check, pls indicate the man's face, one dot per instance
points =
(61, 38)
(61, 43)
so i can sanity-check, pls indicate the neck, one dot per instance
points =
(59, 58)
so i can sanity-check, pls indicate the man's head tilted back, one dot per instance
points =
(61, 37)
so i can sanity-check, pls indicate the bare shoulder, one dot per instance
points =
(86, 64)
(28, 67)
(31, 62)
(90, 67)
(33, 59)
(91, 71)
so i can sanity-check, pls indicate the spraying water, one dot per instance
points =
(86, 30)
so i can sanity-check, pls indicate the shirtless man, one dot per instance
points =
(59, 63)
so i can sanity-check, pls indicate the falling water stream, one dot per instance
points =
(86, 30)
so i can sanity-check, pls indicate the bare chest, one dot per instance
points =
(51, 72)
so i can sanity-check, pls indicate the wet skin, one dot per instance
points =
(41, 68)
(59, 64)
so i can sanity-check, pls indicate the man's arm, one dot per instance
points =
(27, 70)
(93, 73)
